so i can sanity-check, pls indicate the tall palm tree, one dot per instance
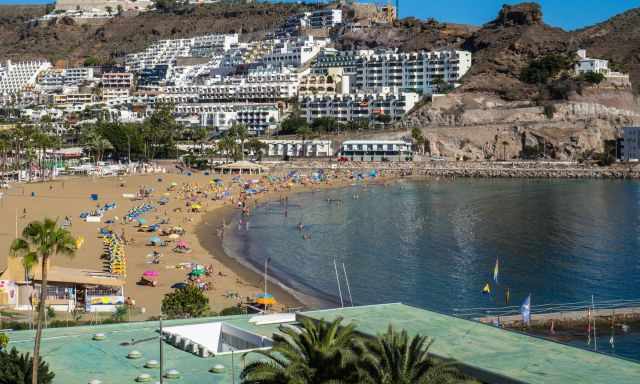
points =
(304, 132)
(40, 241)
(393, 358)
(318, 353)
(239, 132)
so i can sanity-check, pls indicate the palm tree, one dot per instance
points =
(318, 353)
(40, 241)
(16, 368)
(392, 358)
(257, 146)
(227, 145)
(304, 132)
(239, 132)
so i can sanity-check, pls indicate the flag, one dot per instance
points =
(496, 270)
(525, 310)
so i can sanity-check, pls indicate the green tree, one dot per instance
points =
(91, 61)
(418, 138)
(95, 142)
(257, 147)
(393, 358)
(16, 368)
(228, 146)
(593, 77)
(541, 70)
(40, 241)
(304, 132)
(185, 303)
(121, 313)
(318, 353)
(325, 124)
(292, 123)
(109, 10)
(239, 132)
(120, 9)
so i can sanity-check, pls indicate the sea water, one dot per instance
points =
(434, 244)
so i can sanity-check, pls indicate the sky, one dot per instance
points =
(568, 14)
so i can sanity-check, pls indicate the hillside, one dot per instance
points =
(68, 40)
(617, 39)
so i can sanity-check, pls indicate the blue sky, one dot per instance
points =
(568, 14)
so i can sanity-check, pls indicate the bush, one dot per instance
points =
(540, 71)
(549, 110)
(593, 78)
(15, 368)
(231, 311)
(185, 303)
(4, 341)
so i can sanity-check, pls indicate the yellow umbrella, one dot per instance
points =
(79, 242)
(196, 206)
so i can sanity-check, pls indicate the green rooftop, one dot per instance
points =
(491, 354)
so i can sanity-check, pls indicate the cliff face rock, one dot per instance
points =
(520, 14)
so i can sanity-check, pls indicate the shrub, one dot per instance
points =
(185, 303)
(231, 311)
(549, 110)
(593, 77)
(540, 71)
(4, 341)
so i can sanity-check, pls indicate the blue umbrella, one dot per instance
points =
(155, 240)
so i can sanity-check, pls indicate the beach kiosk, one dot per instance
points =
(241, 168)
(68, 289)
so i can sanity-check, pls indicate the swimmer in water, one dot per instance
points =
(300, 226)
(306, 236)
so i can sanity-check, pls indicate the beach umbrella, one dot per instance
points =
(155, 240)
(197, 272)
(150, 273)
(264, 296)
(179, 286)
(182, 244)
(196, 206)
(266, 300)
(141, 220)
(174, 236)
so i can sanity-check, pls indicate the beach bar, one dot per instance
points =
(68, 289)
(241, 168)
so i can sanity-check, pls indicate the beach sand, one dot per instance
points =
(70, 197)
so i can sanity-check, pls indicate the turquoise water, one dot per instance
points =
(434, 244)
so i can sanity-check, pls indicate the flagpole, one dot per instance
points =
(595, 340)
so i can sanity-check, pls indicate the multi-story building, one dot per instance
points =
(423, 72)
(586, 64)
(631, 144)
(110, 94)
(117, 80)
(298, 148)
(14, 77)
(257, 86)
(330, 83)
(318, 19)
(154, 75)
(370, 107)
(294, 52)
(73, 99)
(377, 150)
(56, 79)
(165, 52)
(259, 118)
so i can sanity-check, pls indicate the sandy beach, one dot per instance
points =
(229, 283)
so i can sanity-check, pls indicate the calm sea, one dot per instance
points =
(434, 244)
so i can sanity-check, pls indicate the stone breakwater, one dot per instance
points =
(533, 170)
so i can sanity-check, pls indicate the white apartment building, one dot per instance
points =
(377, 150)
(294, 52)
(332, 82)
(417, 71)
(631, 144)
(298, 148)
(586, 64)
(318, 19)
(257, 86)
(14, 77)
(167, 51)
(110, 94)
(56, 79)
(257, 117)
(117, 80)
(359, 106)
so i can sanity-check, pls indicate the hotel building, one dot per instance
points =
(376, 150)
